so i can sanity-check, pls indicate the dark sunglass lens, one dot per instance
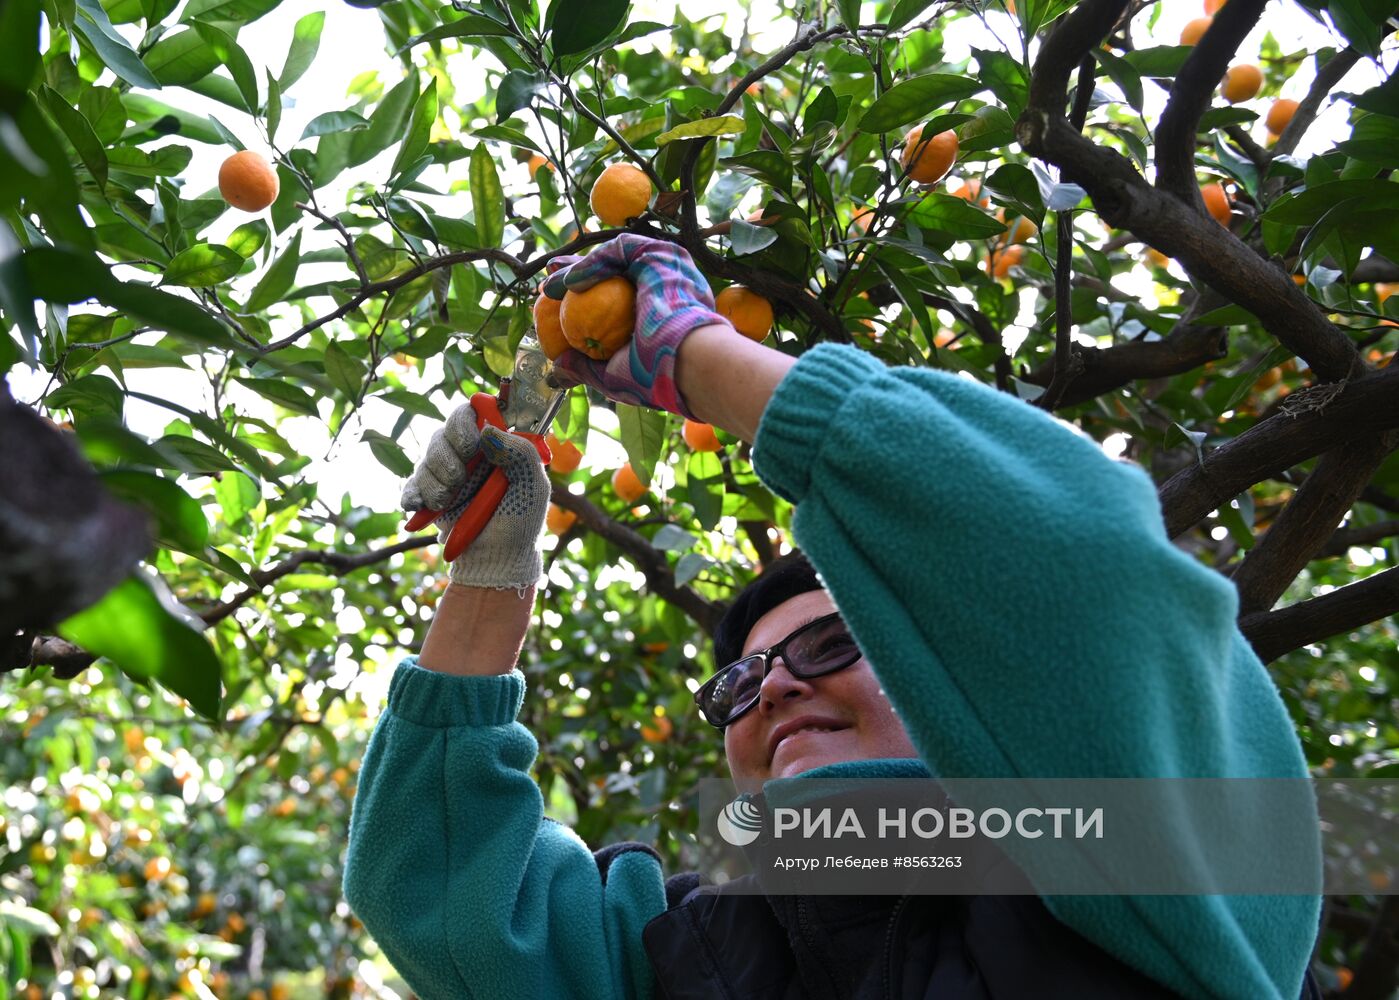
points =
(732, 689)
(823, 646)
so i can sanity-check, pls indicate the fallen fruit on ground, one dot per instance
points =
(247, 181)
(599, 320)
(749, 312)
(566, 454)
(559, 520)
(1242, 83)
(927, 162)
(1216, 202)
(700, 436)
(1280, 115)
(547, 326)
(627, 484)
(1195, 30)
(622, 192)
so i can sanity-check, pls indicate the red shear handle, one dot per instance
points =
(487, 411)
(483, 505)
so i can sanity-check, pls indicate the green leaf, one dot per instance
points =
(79, 132)
(1309, 206)
(1005, 77)
(345, 373)
(19, 26)
(92, 25)
(199, 458)
(577, 27)
(643, 433)
(905, 11)
(955, 216)
(911, 296)
(63, 276)
(237, 11)
(470, 26)
(168, 161)
(148, 111)
(704, 481)
(283, 393)
(248, 238)
(150, 637)
(203, 264)
(103, 108)
(386, 124)
(748, 238)
(272, 111)
(34, 166)
(179, 519)
(722, 125)
(278, 279)
(333, 121)
(419, 129)
(516, 91)
(181, 58)
(231, 54)
(91, 395)
(236, 494)
(1383, 99)
(915, 100)
(389, 454)
(487, 198)
(305, 40)
(1124, 74)
(1163, 61)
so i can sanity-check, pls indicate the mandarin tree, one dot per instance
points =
(214, 385)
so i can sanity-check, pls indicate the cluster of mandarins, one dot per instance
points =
(1243, 82)
(926, 162)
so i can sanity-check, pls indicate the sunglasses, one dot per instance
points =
(814, 650)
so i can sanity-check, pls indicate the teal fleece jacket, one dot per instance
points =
(1015, 592)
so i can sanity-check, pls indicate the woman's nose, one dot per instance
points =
(780, 685)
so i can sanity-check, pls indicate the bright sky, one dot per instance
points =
(352, 43)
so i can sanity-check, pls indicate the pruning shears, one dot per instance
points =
(525, 405)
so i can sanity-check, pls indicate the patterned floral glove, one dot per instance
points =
(672, 298)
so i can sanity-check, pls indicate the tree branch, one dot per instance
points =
(1125, 200)
(367, 292)
(341, 562)
(1345, 539)
(1184, 349)
(1191, 95)
(1273, 633)
(652, 562)
(1314, 420)
(1308, 520)
(1327, 77)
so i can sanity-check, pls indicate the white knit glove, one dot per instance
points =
(505, 556)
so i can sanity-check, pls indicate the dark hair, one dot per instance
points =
(783, 579)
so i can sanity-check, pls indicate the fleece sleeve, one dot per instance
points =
(454, 870)
(1015, 592)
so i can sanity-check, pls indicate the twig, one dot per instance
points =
(339, 227)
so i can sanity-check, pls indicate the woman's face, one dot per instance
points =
(849, 715)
